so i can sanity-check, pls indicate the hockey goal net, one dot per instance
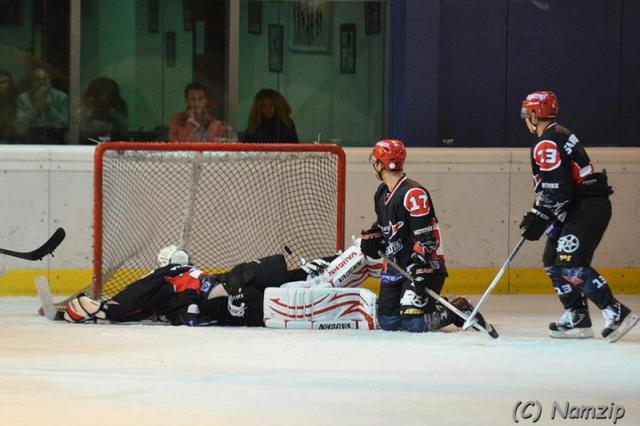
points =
(224, 203)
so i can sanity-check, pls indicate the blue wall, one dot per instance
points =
(460, 69)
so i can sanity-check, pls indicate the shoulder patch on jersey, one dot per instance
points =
(547, 155)
(417, 203)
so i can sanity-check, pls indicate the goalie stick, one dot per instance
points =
(49, 308)
(47, 248)
(495, 281)
(490, 330)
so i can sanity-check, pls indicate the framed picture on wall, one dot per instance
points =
(348, 48)
(372, 17)
(254, 17)
(153, 15)
(310, 26)
(12, 12)
(276, 37)
(187, 15)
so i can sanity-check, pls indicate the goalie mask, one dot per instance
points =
(172, 255)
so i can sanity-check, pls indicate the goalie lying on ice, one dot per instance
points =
(319, 295)
(313, 296)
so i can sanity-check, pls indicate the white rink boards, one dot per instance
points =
(54, 373)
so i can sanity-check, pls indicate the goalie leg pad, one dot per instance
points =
(320, 308)
(348, 269)
(84, 309)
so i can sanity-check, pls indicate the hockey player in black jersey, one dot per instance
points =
(247, 295)
(180, 294)
(407, 231)
(572, 207)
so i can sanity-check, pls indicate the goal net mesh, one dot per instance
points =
(224, 203)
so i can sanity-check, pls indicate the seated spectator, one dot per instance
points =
(270, 119)
(103, 111)
(42, 111)
(195, 124)
(7, 108)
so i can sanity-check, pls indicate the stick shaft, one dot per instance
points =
(495, 282)
(433, 294)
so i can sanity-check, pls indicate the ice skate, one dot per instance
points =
(573, 324)
(618, 321)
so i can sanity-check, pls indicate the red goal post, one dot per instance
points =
(225, 203)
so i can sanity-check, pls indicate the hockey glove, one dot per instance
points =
(535, 222)
(371, 242)
(315, 267)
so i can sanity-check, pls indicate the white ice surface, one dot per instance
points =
(54, 373)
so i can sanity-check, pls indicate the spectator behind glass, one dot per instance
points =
(270, 119)
(42, 111)
(103, 112)
(7, 108)
(196, 124)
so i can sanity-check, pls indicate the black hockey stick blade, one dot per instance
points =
(492, 331)
(47, 248)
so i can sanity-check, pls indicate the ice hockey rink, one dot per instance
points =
(54, 373)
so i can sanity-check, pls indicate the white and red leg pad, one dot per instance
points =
(320, 308)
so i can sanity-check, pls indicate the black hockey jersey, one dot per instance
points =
(405, 216)
(559, 163)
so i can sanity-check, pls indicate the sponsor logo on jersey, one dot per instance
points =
(205, 286)
(570, 144)
(423, 230)
(547, 155)
(392, 229)
(392, 248)
(416, 202)
(334, 326)
(549, 185)
(568, 243)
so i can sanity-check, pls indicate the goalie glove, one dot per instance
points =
(84, 309)
(535, 222)
(315, 267)
(371, 242)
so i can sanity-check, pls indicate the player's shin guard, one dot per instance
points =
(320, 308)
(593, 285)
(569, 295)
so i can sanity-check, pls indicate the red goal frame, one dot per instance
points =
(102, 148)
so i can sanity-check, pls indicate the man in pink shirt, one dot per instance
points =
(196, 124)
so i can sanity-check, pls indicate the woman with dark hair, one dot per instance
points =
(103, 110)
(270, 119)
(7, 107)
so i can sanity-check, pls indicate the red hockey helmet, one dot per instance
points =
(391, 153)
(544, 104)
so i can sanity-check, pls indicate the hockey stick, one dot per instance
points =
(49, 308)
(37, 254)
(490, 330)
(495, 281)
